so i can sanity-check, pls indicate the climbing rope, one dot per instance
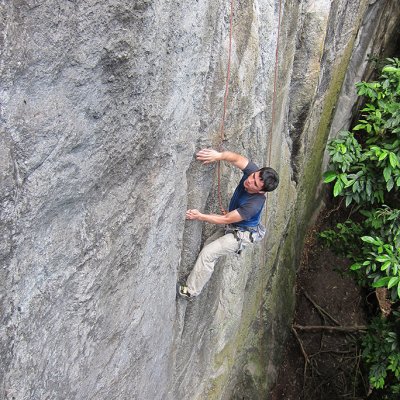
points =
(228, 74)
(222, 125)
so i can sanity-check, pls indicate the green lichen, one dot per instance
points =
(312, 169)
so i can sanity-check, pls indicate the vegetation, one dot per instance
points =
(382, 355)
(365, 171)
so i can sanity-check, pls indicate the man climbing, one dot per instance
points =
(242, 222)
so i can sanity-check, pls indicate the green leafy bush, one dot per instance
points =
(373, 246)
(344, 238)
(365, 169)
(381, 354)
(381, 262)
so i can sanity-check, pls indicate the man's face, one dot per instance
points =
(253, 184)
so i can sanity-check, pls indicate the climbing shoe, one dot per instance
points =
(183, 291)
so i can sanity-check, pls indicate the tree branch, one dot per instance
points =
(323, 312)
(318, 328)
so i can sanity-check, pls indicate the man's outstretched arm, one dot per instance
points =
(208, 156)
(229, 218)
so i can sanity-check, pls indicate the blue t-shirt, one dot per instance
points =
(248, 205)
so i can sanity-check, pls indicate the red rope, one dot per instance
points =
(228, 74)
(222, 126)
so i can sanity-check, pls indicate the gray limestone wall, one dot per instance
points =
(377, 38)
(103, 106)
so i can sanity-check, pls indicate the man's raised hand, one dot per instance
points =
(208, 156)
(193, 214)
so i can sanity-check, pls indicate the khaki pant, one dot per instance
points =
(216, 246)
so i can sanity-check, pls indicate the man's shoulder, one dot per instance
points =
(250, 168)
(258, 197)
(255, 198)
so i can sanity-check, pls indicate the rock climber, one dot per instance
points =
(241, 224)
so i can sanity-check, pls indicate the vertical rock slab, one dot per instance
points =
(103, 106)
(93, 196)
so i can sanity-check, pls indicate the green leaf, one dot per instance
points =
(355, 266)
(369, 239)
(386, 265)
(337, 158)
(344, 179)
(383, 156)
(391, 69)
(368, 107)
(382, 258)
(393, 281)
(337, 188)
(389, 185)
(329, 176)
(368, 188)
(387, 172)
(376, 149)
(381, 282)
(394, 162)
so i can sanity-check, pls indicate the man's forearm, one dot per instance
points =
(235, 159)
(214, 219)
(229, 218)
(208, 156)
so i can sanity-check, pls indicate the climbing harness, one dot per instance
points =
(259, 233)
(239, 235)
(256, 234)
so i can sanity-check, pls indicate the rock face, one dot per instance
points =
(103, 106)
